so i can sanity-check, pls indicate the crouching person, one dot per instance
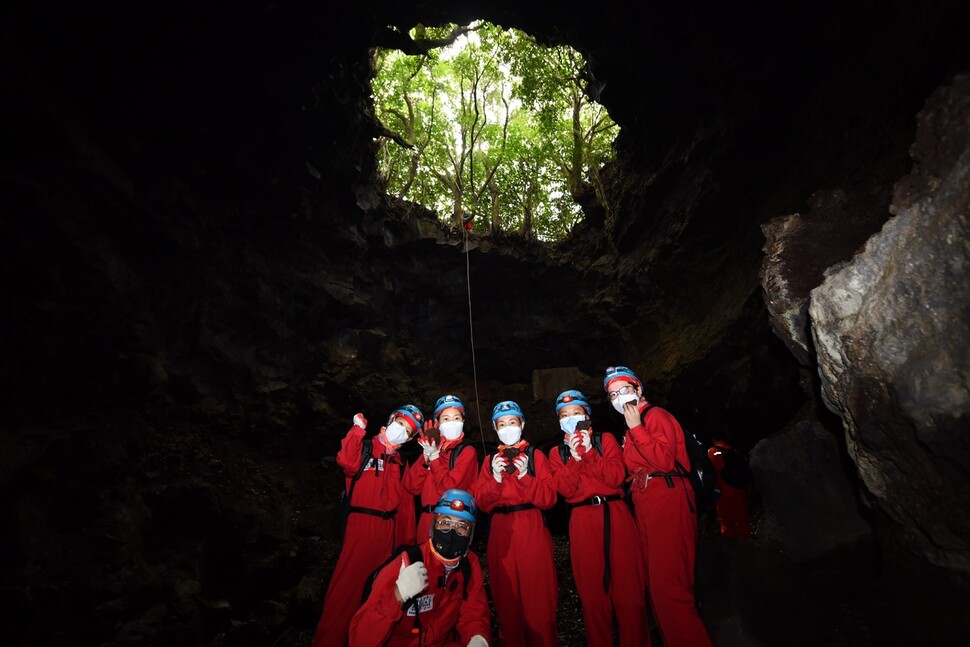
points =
(432, 594)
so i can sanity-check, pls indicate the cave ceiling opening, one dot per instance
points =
(603, 292)
(457, 98)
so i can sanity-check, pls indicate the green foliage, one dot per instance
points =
(493, 124)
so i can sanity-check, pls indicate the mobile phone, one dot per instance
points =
(433, 434)
(509, 454)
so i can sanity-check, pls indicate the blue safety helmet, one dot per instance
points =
(572, 396)
(457, 503)
(411, 414)
(614, 373)
(507, 408)
(446, 401)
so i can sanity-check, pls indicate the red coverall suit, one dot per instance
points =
(732, 504)
(431, 480)
(667, 522)
(445, 618)
(368, 539)
(522, 573)
(579, 482)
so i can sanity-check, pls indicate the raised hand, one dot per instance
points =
(631, 414)
(576, 449)
(411, 580)
(430, 449)
(430, 431)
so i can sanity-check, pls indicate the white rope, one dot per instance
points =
(471, 332)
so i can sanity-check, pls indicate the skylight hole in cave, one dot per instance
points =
(490, 129)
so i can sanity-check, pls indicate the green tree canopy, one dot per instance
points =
(483, 120)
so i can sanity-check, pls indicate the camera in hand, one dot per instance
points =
(509, 454)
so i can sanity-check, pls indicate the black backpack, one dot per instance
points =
(700, 472)
(457, 451)
(736, 471)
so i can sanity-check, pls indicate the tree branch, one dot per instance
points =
(383, 131)
(389, 38)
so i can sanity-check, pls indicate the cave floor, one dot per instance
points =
(186, 534)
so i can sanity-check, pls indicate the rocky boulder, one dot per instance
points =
(893, 342)
(801, 246)
(810, 507)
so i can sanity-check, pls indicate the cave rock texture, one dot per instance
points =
(892, 329)
(809, 502)
(204, 280)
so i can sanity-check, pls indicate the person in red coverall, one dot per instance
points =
(431, 475)
(515, 485)
(732, 504)
(436, 601)
(604, 546)
(381, 517)
(664, 506)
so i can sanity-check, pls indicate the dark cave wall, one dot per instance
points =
(196, 167)
(205, 282)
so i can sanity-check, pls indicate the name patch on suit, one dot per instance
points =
(375, 464)
(425, 603)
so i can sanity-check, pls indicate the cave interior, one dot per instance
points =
(205, 281)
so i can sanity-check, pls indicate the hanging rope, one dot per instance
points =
(471, 333)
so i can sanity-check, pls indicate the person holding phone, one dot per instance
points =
(604, 546)
(663, 505)
(515, 486)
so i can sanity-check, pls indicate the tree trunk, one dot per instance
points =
(412, 173)
(494, 195)
(457, 209)
(576, 165)
(526, 229)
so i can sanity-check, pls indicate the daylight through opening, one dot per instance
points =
(490, 129)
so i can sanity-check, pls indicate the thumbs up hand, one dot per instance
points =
(411, 580)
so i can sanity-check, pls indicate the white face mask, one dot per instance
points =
(451, 429)
(623, 399)
(396, 433)
(568, 424)
(510, 435)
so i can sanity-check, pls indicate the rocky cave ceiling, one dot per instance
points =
(194, 237)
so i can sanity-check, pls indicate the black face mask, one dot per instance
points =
(449, 544)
